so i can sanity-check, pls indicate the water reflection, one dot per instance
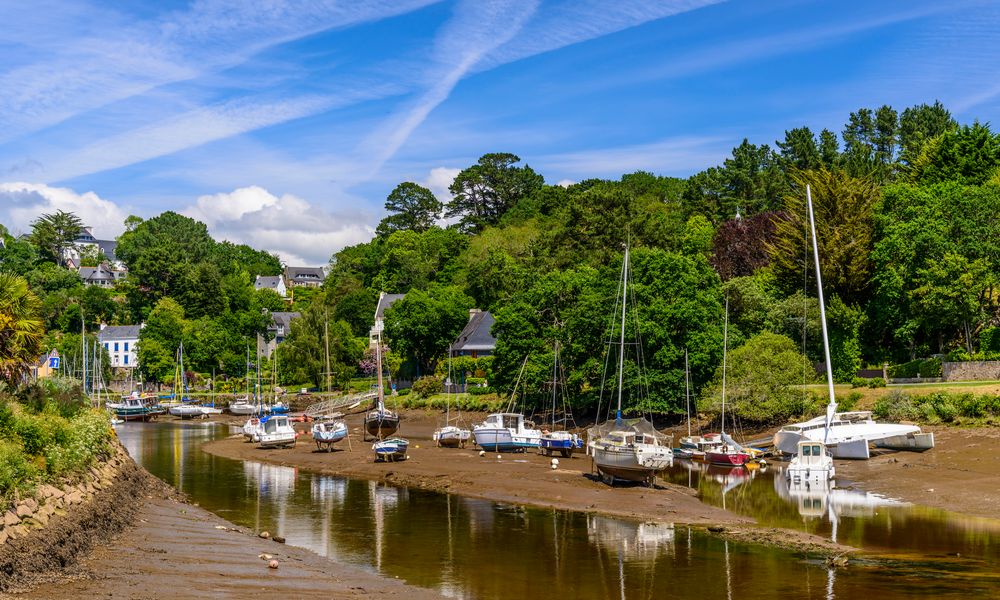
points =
(468, 548)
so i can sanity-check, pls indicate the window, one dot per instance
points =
(126, 356)
(126, 346)
(105, 345)
(116, 346)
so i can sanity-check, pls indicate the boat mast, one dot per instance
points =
(378, 359)
(687, 390)
(83, 350)
(832, 407)
(725, 346)
(447, 382)
(555, 361)
(326, 342)
(621, 347)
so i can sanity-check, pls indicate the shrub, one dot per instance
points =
(404, 392)
(428, 386)
(475, 381)
(850, 402)
(897, 406)
(876, 382)
(16, 470)
(480, 391)
(930, 367)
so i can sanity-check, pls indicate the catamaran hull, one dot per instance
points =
(851, 440)
(917, 442)
(502, 440)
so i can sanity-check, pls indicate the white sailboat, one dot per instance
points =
(450, 436)
(845, 434)
(555, 439)
(631, 449)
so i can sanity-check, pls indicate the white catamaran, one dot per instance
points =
(845, 434)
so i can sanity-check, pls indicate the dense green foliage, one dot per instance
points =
(48, 432)
(907, 208)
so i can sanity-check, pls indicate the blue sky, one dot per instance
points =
(285, 124)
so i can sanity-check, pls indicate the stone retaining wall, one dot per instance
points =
(49, 531)
(971, 370)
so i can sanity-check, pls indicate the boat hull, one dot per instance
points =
(327, 436)
(392, 449)
(503, 440)
(630, 463)
(452, 437)
(381, 426)
(560, 441)
(728, 459)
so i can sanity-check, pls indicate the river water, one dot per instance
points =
(468, 548)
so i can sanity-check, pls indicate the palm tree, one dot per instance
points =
(21, 328)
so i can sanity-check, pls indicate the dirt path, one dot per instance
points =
(961, 474)
(178, 550)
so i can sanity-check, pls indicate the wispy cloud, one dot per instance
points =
(680, 156)
(74, 74)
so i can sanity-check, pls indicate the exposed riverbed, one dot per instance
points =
(475, 548)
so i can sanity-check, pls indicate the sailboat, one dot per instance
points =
(693, 447)
(631, 449)
(185, 409)
(845, 434)
(729, 453)
(380, 421)
(508, 431)
(559, 440)
(450, 436)
(383, 422)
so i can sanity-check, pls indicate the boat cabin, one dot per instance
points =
(506, 420)
(274, 424)
(625, 438)
(811, 454)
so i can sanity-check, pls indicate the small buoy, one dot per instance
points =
(418, 447)
(499, 456)
(554, 467)
(273, 564)
(555, 462)
(482, 453)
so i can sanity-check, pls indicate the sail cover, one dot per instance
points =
(637, 425)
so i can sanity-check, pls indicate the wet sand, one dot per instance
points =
(178, 550)
(961, 474)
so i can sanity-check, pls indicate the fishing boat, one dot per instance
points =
(275, 431)
(380, 422)
(508, 431)
(812, 464)
(845, 434)
(559, 440)
(326, 433)
(135, 408)
(391, 449)
(728, 453)
(627, 449)
(450, 436)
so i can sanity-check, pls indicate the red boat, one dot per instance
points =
(727, 456)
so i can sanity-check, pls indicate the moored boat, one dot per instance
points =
(506, 432)
(450, 436)
(728, 453)
(329, 432)
(812, 464)
(556, 440)
(275, 432)
(380, 422)
(391, 449)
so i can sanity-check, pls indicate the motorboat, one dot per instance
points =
(328, 432)
(812, 463)
(275, 431)
(391, 449)
(562, 442)
(135, 408)
(506, 432)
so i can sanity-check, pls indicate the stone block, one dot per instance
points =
(10, 519)
(24, 511)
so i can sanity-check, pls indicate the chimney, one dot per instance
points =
(103, 325)
(473, 312)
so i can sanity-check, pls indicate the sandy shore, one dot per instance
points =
(960, 474)
(178, 550)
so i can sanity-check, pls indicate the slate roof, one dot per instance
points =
(108, 247)
(119, 332)
(305, 274)
(268, 282)
(384, 302)
(98, 273)
(476, 335)
(284, 319)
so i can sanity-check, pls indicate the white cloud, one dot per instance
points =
(566, 183)
(299, 232)
(439, 180)
(21, 203)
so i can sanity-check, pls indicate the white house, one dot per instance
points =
(384, 302)
(122, 344)
(271, 282)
